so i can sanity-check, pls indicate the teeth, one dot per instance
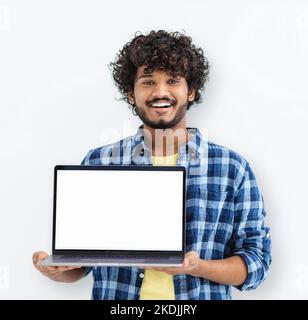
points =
(161, 105)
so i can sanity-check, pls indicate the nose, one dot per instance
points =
(160, 90)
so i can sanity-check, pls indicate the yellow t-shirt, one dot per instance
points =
(157, 285)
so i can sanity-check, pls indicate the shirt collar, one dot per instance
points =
(194, 148)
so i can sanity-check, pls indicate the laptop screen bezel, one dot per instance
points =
(106, 253)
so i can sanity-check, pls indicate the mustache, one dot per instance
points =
(171, 101)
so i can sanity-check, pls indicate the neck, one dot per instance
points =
(166, 142)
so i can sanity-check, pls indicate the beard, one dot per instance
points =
(162, 124)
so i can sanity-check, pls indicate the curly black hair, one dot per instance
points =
(172, 52)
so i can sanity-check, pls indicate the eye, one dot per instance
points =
(148, 82)
(173, 81)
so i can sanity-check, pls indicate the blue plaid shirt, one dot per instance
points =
(224, 211)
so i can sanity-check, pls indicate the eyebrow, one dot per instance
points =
(145, 75)
(149, 75)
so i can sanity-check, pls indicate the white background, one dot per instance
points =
(57, 101)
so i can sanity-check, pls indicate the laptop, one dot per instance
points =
(118, 216)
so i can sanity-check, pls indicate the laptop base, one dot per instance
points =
(60, 260)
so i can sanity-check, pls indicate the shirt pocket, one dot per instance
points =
(207, 205)
(209, 221)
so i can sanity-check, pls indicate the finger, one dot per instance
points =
(51, 272)
(49, 269)
(185, 263)
(158, 269)
(36, 256)
(150, 268)
(191, 259)
(166, 269)
(42, 268)
(175, 270)
(58, 268)
(172, 273)
(155, 268)
(66, 268)
(39, 255)
(192, 256)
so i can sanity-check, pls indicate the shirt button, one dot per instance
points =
(268, 235)
(141, 275)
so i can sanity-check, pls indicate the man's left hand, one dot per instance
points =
(189, 265)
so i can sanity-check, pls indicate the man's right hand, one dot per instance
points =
(56, 273)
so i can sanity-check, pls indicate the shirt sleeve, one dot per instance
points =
(251, 238)
(86, 159)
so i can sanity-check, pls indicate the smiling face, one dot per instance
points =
(161, 100)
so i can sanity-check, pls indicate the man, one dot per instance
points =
(161, 76)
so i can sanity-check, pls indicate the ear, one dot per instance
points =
(131, 97)
(191, 95)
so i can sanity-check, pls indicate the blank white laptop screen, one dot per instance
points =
(119, 210)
